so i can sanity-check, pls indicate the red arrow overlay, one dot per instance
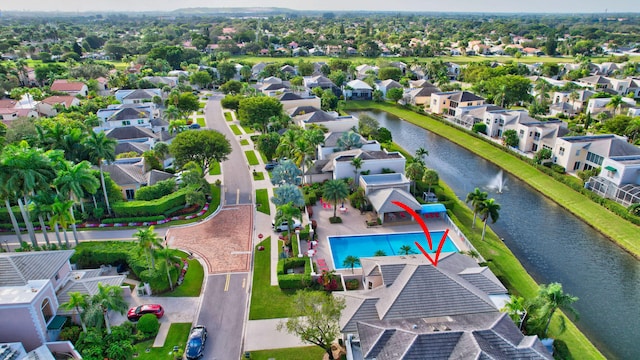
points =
(425, 230)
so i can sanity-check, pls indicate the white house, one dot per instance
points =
(329, 120)
(137, 96)
(619, 179)
(533, 133)
(290, 101)
(358, 90)
(47, 107)
(447, 102)
(118, 115)
(331, 144)
(598, 105)
(385, 85)
(576, 153)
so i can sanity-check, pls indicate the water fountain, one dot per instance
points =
(497, 183)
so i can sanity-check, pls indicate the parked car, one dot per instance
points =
(135, 313)
(195, 344)
(284, 225)
(194, 126)
(270, 166)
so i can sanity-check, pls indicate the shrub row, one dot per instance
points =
(133, 219)
(294, 281)
(156, 191)
(151, 208)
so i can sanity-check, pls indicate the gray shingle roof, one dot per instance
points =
(301, 110)
(131, 146)
(316, 116)
(139, 94)
(130, 132)
(381, 200)
(129, 113)
(18, 268)
(88, 286)
(331, 139)
(126, 174)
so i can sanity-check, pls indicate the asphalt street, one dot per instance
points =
(223, 313)
(237, 177)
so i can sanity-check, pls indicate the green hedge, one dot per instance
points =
(4, 215)
(294, 281)
(151, 208)
(157, 190)
(133, 219)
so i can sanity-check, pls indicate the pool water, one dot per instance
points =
(367, 245)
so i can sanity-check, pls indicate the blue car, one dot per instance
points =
(194, 126)
(195, 344)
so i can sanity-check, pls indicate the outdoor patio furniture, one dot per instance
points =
(322, 265)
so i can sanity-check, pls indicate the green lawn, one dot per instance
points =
(215, 169)
(262, 201)
(302, 353)
(201, 122)
(235, 129)
(247, 130)
(192, 284)
(504, 264)
(258, 175)
(178, 334)
(244, 142)
(227, 116)
(267, 302)
(251, 157)
(264, 158)
(619, 230)
(202, 104)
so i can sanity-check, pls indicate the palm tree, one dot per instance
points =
(177, 126)
(349, 140)
(61, 215)
(415, 172)
(573, 96)
(75, 303)
(431, 177)
(168, 260)
(335, 191)
(380, 253)
(552, 297)
(476, 197)
(101, 148)
(4, 193)
(420, 154)
(172, 113)
(542, 88)
(351, 261)
(42, 208)
(517, 310)
(75, 180)
(303, 153)
(406, 250)
(286, 147)
(489, 210)
(287, 212)
(288, 193)
(633, 129)
(109, 297)
(357, 165)
(148, 241)
(315, 137)
(615, 103)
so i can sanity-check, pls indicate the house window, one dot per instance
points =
(521, 134)
(534, 147)
(546, 147)
(536, 136)
(587, 167)
(561, 151)
(126, 123)
(57, 277)
(596, 159)
(576, 165)
(47, 310)
(140, 121)
(495, 121)
(130, 194)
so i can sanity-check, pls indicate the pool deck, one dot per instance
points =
(353, 223)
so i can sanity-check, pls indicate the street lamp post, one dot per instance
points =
(299, 249)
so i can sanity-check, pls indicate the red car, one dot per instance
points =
(136, 313)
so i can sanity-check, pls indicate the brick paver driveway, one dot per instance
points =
(224, 241)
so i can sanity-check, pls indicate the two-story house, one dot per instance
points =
(47, 107)
(119, 115)
(533, 134)
(447, 102)
(576, 153)
(619, 179)
(137, 96)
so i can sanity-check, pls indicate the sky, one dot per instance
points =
(484, 6)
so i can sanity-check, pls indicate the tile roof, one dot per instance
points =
(65, 86)
(126, 174)
(57, 99)
(381, 200)
(88, 286)
(18, 268)
(129, 113)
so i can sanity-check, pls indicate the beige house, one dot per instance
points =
(447, 102)
(72, 88)
(290, 101)
(47, 107)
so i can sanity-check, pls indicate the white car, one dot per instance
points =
(284, 225)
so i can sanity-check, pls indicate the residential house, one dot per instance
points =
(33, 285)
(373, 183)
(364, 70)
(47, 107)
(338, 165)
(563, 108)
(447, 102)
(420, 96)
(12, 109)
(578, 103)
(329, 120)
(118, 115)
(323, 82)
(137, 134)
(257, 69)
(331, 144)
(533, 133)
(384, 201)
(453, 70)
(385, 85)
(598, 105)
(576, 153)
(358, 90)
(137, 96)
(619, 179)
(468, 116)
(131, 177)
(72, 88)
(49, 351)
(602, 83)
(288, 69)
(291, 101)
(162, 81)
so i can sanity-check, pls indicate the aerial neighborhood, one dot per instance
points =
(276, 184)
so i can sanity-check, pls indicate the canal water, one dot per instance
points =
(551, 243)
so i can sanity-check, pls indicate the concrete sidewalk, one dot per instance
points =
(262, 335)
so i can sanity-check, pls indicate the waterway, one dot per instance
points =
(550, 242)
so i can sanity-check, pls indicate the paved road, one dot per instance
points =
(223, 313)
(237, 179)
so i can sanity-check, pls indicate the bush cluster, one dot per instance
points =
(148, 324)
(294, 281)
(156, 191)
(151, 208)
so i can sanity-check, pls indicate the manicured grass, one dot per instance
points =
(235, 129)
(258, 175)
(227, 116)
(248, 130)
(302, 353)
(202, 104)
(267, 302)
(244, 142)
(215, 169)
(251, 157)
(262, 201)
(192, 284)
(264, 158)
(201, 122)
(619, 230)
(507, 267)
(177, 336)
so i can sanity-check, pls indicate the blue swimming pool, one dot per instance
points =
(367, 245)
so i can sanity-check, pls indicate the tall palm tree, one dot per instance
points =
(61, 216)
(420, 154)
(287, 212)
(542, 88)
(109, 297)
(148, 241)
(351, 261)
(335, 191)
(357, 165)
(172, 113)
(177, 126)
(516, 308)
(77, 180)
(286, 147)
(414, 171)
(633, 129)
(553, 298)
(76, 302)
(5, 194)
(42, 208)
(168, 260)
(615, 103)
(476, 198)
(573, 96)
(489, 209)
(101, 148)
(303, 153)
